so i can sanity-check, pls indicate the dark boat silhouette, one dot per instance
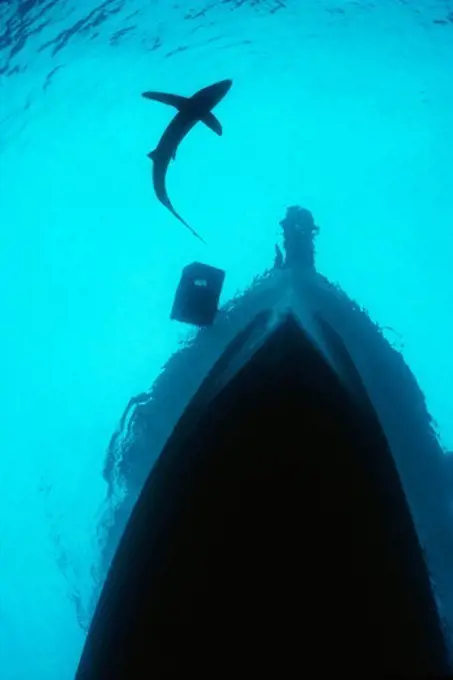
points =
(273, 533)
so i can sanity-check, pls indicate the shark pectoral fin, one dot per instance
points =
(152, 155)
(211, 121)
(171, 99)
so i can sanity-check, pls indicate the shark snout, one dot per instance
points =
(223, 86)
(220, 89)
(209, 96)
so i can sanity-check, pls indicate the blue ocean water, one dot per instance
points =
(343, 107)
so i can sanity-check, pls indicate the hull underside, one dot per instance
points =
(272, 535)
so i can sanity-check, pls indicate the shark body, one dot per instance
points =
(191, 110)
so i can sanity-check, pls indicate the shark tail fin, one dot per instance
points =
(170, 99)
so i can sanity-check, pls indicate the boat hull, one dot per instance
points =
(272, 534)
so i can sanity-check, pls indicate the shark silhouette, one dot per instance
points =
(191, 110)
